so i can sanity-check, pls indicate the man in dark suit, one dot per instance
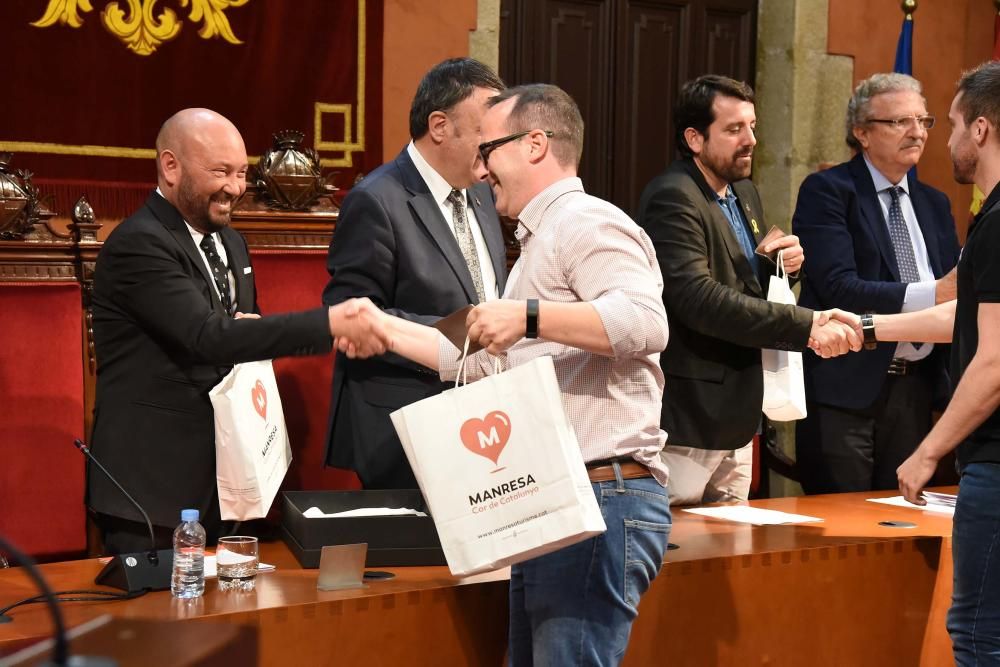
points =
(706, 220)
(418, 236)
(879, 241)
(170, 288)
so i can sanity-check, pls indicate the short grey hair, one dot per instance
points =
(859, 106)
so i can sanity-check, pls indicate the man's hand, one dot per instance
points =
(914, 474)
(946, 287)
(496, 325)
(361, 330)
(835, 332)
(792, 255)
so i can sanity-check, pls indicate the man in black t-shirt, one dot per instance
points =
(972, 421)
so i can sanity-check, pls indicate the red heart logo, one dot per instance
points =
(259, 396)
(486, 437)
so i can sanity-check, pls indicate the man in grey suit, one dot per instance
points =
(420, 237)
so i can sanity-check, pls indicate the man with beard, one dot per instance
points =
(705, 219)
(879, 241)
(971, 423)
(171, 286)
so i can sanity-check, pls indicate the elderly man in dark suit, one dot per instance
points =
(706, 221)
(420, 237)
(879, 241)
(170, 288)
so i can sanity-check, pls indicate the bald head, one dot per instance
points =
(201, 165)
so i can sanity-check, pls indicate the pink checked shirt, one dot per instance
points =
(575, 247)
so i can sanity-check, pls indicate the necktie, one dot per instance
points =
(901, 241)
(465, 241)
(220, 273)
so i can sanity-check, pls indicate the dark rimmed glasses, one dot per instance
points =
(488, 147)
(903, 122)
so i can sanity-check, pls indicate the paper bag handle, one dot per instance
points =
(462, 377)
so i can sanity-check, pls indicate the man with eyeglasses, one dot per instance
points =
(706, 221)
(586, 292)
(879, 241)
(420, 237)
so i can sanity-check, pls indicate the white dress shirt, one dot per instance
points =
(918, 295)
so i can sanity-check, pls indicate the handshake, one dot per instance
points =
(835, 332)
(359, 328)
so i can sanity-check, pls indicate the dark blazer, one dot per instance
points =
(393, 245)
(163, 341)
(717, 311)
(851, 264)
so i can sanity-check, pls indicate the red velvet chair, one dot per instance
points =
(42, 393)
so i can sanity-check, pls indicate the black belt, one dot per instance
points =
(903, 366)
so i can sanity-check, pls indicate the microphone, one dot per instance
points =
(136, 571)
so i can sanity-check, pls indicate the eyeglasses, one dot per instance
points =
(904, 122)
(488, 147)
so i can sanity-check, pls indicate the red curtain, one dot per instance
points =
(85, 108)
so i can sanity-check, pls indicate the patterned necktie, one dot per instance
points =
(901, 241)
(466, 242)
(220, 273)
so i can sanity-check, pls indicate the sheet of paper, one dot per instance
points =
(940, 498)
(212, 568)
(755, 515)
(900, 501)
(317, 513)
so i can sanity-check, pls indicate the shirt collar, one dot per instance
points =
(881, 182)
(440, 188)
(531, 215)
(729, 197)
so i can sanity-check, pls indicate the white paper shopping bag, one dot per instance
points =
(252, 452)
(500, 468)
(784, 381)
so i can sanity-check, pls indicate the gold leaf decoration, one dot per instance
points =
(212, 12)
(65, 12)
(140, 31)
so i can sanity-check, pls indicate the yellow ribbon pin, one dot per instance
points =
(753, 223)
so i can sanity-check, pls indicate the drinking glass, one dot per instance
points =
(236, 562)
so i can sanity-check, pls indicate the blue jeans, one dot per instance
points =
(575, 606)
(974, 617)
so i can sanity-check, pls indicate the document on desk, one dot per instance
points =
(317, 513)
(754, 515)
(938, 505)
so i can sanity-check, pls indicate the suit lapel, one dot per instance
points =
(428, 213)
(871, 211)
(924, 212)
(482, 203)
(174, 223)
(718, 218)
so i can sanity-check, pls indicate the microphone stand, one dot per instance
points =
(134, 572)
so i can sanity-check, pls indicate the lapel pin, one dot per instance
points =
(753, 223)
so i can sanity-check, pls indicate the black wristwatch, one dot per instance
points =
(531, 322)
(868, 329)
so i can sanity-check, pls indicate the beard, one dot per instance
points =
(963, 166)
(728, 169)
(197, 209)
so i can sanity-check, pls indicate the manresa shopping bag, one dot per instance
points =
(784, 380)
(500, 468)
(252, 452)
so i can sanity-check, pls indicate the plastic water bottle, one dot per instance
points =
(188, 579)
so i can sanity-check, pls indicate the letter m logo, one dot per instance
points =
(488, 439)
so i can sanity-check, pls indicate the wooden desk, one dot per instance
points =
(843, 592)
